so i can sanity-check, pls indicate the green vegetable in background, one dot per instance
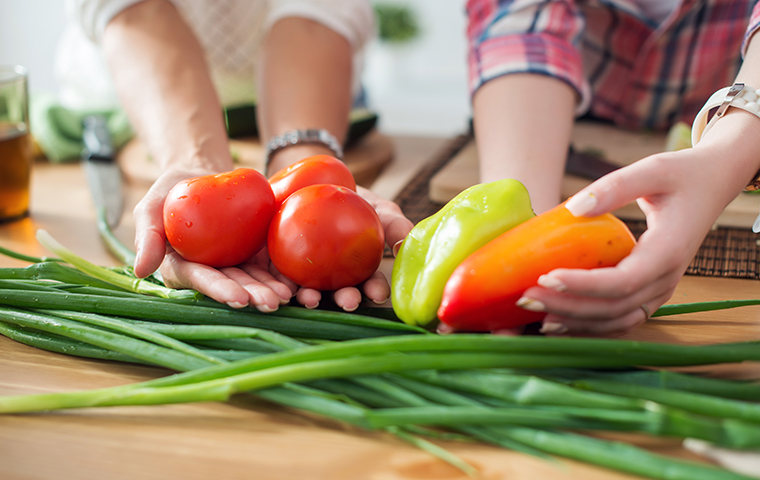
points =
(439, 243)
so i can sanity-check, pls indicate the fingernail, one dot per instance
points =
(397, 247)
(579, 205)
(236, 304)
(312, 306)
(380, 302)
(552, 283)
(444, 329)
(531, 304)
(553, 328)
(350, 309)
(264, 308)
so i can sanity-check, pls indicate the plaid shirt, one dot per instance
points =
(626, 68)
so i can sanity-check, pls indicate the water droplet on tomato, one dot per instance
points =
(197, 198)
(188, 224)
(182, 197)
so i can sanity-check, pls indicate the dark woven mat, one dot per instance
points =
(725, 252)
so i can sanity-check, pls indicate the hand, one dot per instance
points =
(255, 282)
(681, 194)
(248, 283)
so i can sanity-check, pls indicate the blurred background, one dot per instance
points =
(415, 75)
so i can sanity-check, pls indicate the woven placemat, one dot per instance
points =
(725, 252)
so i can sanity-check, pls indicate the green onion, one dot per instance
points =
(127, 283)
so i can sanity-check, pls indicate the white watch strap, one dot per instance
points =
(738, 95)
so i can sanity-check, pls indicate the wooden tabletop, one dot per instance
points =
(246, 438)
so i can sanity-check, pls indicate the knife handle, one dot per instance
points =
(97, 139)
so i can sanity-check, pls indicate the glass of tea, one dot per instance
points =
(15, 144)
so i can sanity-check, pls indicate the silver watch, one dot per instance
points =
(308, 136)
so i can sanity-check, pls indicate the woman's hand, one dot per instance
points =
(255, 282)
(681, 193)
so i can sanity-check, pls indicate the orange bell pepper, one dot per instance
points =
(481, 293)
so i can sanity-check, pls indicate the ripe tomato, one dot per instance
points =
(326, 237)
(219, 220)
(310, 171)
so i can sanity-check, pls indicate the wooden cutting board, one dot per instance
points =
(365, 159)
(620, 147)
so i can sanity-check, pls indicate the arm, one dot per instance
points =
(523, 124)
(682, 193)
(164, 85)
(526, 75)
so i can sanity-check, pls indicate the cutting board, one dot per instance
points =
(366, 158)
(618, 146)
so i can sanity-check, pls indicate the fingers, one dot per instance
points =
(150, 239)
(395, 224)
(377, 288)
(179, 273)
(247, 284)
(554, 325)
(646, 177)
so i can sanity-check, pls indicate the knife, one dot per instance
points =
(587, 165)
(103, 174)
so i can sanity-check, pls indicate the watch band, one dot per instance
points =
(737, 95)
(299, 137)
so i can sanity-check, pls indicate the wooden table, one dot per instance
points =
(244, 439)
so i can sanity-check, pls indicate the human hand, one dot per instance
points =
(681, 193)
(248, 283)
(255, 282)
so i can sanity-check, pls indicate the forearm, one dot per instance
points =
(522, 125)
(304, 81)
(164, 85)
(734, 140)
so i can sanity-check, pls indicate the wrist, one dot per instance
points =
(302, 137)
(286, 157)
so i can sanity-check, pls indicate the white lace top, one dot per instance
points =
(230, 32)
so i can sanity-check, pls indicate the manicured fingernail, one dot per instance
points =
(553, 328)
(265, 308)
(444, 329)
(552, 283)
(312, 306)
(397, 247)
(381, 302)
(236, 304)
(579, 205)
(531, 304)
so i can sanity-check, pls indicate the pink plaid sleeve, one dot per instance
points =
(524, 36)
(754, 24)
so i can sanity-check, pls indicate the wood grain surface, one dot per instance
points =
(247, 438)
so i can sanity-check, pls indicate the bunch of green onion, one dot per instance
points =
(536, 395)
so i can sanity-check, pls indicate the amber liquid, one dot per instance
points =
(15, 172)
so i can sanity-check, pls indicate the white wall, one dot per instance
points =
(418, 89)
(421, 88)
(29, 31)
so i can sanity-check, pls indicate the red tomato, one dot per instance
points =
(219, 220)
(310, 171)
(326, 237)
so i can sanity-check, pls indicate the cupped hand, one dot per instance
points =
(255, 282)
(681, 193)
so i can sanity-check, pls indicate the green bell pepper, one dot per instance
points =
(439, 243)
